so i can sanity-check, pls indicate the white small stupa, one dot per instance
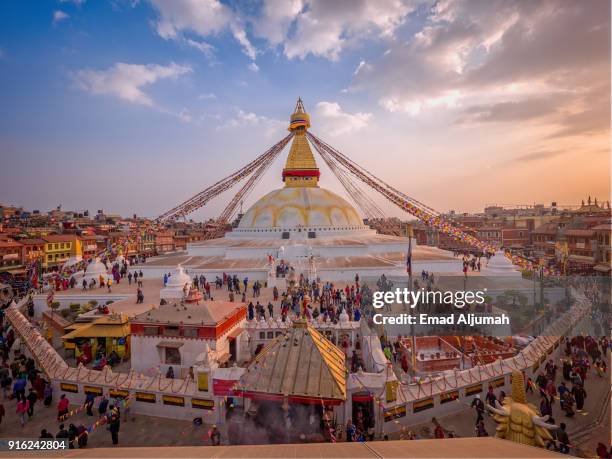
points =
(500, 266)
(175, 286)
(94, 270)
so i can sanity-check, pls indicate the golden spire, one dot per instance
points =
(301, 168)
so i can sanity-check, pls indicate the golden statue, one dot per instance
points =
(519, 420)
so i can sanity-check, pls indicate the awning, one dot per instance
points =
(99, 331)
(170, 344)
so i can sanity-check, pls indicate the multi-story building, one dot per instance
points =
(59, 248)
(10, 256)
(164, 242)
(603, 257)
(32, 249)
(89, 246)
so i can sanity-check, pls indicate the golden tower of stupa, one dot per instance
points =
(301, 168)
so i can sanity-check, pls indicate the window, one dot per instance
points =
(149, 331)
(262, 335)
(173, 356)
(171, 331)
(270, 335)
(190, 332)
(55, 246)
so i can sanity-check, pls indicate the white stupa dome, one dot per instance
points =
(294, 207)
(500, 266)
(96, 267)
(178, 278)
(175, 285)
(94, 270)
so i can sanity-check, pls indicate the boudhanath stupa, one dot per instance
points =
(305, 224)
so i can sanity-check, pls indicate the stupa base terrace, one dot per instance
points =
(338, 258)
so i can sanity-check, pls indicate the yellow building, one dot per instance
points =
(108, 334)
(59, 248)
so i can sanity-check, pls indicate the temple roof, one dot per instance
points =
(302, 363)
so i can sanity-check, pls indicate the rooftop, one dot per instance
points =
(207, 313)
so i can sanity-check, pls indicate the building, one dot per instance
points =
(11, 256)
(174, 334)
(89, 246)
(602, 234)
(164, 242)
(32, 249)
(59, 248)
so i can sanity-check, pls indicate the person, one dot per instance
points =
(44, 434)
(63, 433)
(32, 397)
(103, 405)
(2, 412)
(62, 407)
(602, 451)
(215, 435)
(350, 431)
(545, 407)
(563, 439)
(579, 395)
(170, 373)
(23, 405)
(73, 434)
(480, 430)
(82, 436)
(438, 430)
(479, 406)
(89, 402)
(48, 394)
(139, 296)
(114, 425)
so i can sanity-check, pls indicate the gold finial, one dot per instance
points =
(301, 168)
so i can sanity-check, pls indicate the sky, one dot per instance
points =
(133, 106)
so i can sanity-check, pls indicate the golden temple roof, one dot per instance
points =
(302, 362)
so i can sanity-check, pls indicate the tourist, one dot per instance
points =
(479, 406)
(270, 309)
(579, 396)
(438, 430)
(545, 407)
(568, 403)
(350, 431)
(170, 373)
(480, 429)
(82, 435)
(84, 284)
(63, 433)
(48, 394)
(2, 412)
(23, 406)
(139, 296)
(103, 405)
(32, 398)
(73, 434)
(62, 407)
(563, 439)
(129, 278)
(214, 435)
(89, 402)
(45, 435)
(114, 425)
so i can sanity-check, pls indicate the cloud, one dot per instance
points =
(537, 155)
(205, 48)
(126, 81)
(76, 2)
(59, 16)
(336, 121)
(253, 67)
(269, 126)
(502, 61)
(362, 65)
(323, 28)
(202, 17)
(207, 96)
